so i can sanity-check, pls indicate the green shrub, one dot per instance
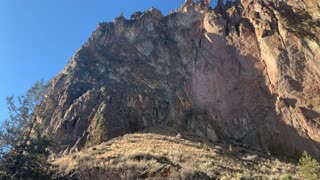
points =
(308, 167)
(99, 134)
(286, 177)
(205, 147)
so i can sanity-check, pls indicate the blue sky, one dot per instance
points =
(38, 37)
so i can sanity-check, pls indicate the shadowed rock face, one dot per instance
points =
(247, 71)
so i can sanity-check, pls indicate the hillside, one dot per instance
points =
(151, 155)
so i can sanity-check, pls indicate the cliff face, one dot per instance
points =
(247, 71)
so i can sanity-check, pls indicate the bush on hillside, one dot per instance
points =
(308, 167)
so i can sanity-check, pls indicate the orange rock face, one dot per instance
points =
(246, 72)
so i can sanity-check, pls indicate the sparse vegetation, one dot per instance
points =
(138, 156)
(205, 146)
(309, 167)
(99, 135)
(286, 177)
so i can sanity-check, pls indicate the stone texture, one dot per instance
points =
(246, 72)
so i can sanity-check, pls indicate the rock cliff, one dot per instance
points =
(246, 71)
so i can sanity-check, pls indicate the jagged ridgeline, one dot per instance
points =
(246, 71)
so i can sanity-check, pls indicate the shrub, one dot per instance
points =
(99, 134)
(286, 177)
(205, 147)
(308, 167)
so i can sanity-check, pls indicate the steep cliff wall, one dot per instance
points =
(247, 71)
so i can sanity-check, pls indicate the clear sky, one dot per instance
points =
(38, 37)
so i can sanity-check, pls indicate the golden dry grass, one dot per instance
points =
(147, 155)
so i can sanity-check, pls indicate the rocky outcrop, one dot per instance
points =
(246, 71)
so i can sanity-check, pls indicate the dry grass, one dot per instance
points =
(149, 155)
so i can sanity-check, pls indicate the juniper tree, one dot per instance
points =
(23, 145)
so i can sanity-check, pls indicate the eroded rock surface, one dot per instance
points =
(247, 72)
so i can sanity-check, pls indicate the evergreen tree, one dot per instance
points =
(23, 145)
(309, 168)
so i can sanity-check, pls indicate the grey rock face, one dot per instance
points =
(247, 72)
